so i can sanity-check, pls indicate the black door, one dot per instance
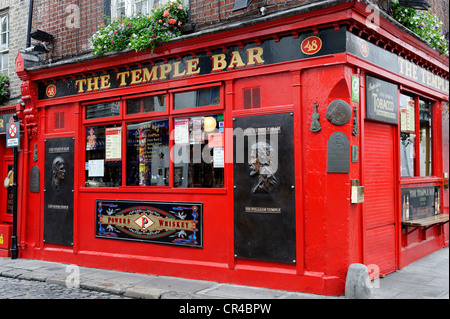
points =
(59, 185)
(264, 178)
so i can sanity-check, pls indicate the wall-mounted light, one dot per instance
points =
(263, 11)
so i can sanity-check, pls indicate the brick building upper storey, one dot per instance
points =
(73, 23)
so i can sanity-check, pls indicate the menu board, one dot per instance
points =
(407, 117)
(113, 141)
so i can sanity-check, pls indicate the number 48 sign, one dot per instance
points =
(13, 134)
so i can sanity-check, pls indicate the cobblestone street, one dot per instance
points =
(11, 288)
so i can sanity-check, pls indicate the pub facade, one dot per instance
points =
(274, 153)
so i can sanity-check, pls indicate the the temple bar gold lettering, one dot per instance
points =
(235, 58)
(422, 76)
(174, 70)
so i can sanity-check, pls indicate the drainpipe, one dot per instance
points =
(30, 22)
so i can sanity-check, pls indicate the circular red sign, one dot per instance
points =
(12, 130)
(51, 90)
(311, 45)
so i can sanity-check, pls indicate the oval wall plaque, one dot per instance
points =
(339, 112)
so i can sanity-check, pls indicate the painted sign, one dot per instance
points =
(420, 202)
(381, 100)
(153, 222)
(235, 57)
(395, 63)
(311, 45)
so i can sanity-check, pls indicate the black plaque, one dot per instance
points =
(59, 185)
(338, 112)
(420, 202)
(34, 179)
(381, 100)
(338, 153)
(171, 223)
(264, 198)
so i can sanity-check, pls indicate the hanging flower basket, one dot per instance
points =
(426, 25)
(141, 32)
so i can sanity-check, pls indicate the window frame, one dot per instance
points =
(170, 114)
(4, 52)
(130, 6)
(417, 97)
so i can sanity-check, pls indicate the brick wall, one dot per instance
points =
(206, 13)
(18, 21)
(54, 16)
(71, 22)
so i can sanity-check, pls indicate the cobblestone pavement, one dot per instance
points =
(11, 288)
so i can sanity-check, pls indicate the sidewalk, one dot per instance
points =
(427, 278)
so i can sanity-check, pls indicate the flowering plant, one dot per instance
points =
(4, 88)
(424, 24)
(141, 31)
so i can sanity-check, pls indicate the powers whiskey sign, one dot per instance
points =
(156, 222)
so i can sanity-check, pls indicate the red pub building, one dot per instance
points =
(273, 152)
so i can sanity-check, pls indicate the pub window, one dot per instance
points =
(191, 155)
(198, 98)
(100, 110)
(103, 163)
(198, 151)
(425, 138)
(146, 104)
(148, 153)
(415, 136)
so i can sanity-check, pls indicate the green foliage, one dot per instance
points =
(4, 88)
(141, 32)
(424, 24)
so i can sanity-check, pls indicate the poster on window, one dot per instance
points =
(170, 223)
(113, 141)
(181, 131)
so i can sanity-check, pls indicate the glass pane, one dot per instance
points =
(103, 110)
(425, 138)
(407, 135)
(120, 8)
(4, 41)
(103, 156)
(198, 152)
(4, 21)
(148, 153)
(141, 6)
(198, 98)
(146, 105)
